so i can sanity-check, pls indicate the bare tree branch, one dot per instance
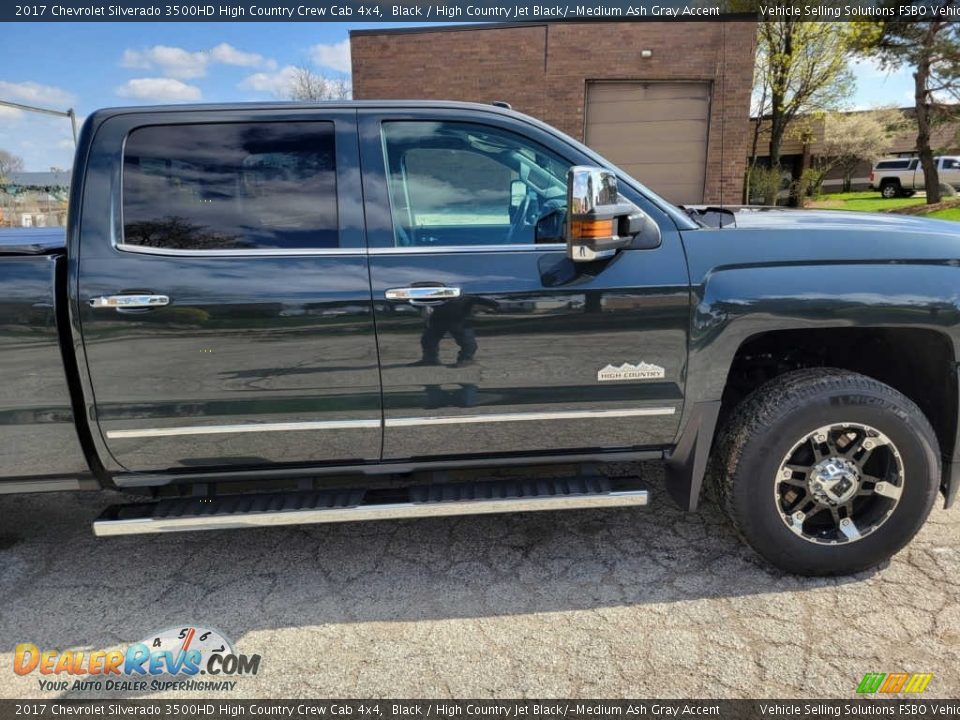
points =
(308, 86)
(9, 163)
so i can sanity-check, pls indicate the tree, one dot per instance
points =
(932, 49)
(9, 163)
(803, 67)
(308, 86)
(850, 138)
(759, 106)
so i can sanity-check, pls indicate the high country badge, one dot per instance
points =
(628, 371)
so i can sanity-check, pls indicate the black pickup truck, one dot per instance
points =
(285, 313)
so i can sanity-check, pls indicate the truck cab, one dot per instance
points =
(439, 317)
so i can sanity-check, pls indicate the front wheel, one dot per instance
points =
(890, 191)
(826, 472)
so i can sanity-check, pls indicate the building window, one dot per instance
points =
(231, 186)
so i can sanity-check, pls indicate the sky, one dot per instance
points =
(92, 65)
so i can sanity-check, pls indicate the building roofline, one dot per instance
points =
(901, 108)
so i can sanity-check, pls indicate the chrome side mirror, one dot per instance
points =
(599, 221)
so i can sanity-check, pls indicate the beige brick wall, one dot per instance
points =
(543, 70)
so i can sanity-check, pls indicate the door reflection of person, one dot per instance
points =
(456, 318)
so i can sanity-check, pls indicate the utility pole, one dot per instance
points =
(68, 113)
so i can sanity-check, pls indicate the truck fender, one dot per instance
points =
(736, 303)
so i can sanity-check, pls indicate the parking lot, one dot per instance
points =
(634, 602)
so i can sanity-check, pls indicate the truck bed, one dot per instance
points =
(32, 241)
(38, 437)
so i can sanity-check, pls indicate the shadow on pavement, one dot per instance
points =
(61, 587)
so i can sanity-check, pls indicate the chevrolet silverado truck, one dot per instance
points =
(902, 177)
(287, 313)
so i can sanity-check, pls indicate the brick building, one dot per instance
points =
(668, 102)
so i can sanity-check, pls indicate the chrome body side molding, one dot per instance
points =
(390, 422)
(244, 428)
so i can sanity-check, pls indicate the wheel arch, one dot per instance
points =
(918, 362)
(738, 310)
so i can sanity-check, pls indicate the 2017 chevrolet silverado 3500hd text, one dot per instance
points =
(253, 302)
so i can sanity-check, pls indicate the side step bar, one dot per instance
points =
(329, 506)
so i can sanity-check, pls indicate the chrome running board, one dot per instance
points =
(330, 506)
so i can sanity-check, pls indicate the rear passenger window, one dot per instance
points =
(231, 186)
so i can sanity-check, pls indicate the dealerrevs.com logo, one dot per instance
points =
(168, 660)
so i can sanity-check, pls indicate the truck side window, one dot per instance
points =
(453, 183)
(230, 186)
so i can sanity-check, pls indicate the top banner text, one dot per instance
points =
(464, 11)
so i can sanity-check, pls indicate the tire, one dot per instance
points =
(772, 422)
(890, 190)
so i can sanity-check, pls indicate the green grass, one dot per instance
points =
(871, 201)
(864, 201)
(948, 214)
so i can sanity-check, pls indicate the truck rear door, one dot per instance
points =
(223, 292)
(490, 339)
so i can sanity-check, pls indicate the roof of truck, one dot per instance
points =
(325, 104)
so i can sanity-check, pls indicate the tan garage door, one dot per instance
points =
(657, 132)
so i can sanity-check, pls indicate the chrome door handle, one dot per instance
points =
(420, 294)
(122, 302)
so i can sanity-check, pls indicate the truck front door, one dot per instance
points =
(490, 339)
(950, 171)
(223, 292)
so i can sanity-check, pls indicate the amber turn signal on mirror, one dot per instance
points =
(591, 229)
